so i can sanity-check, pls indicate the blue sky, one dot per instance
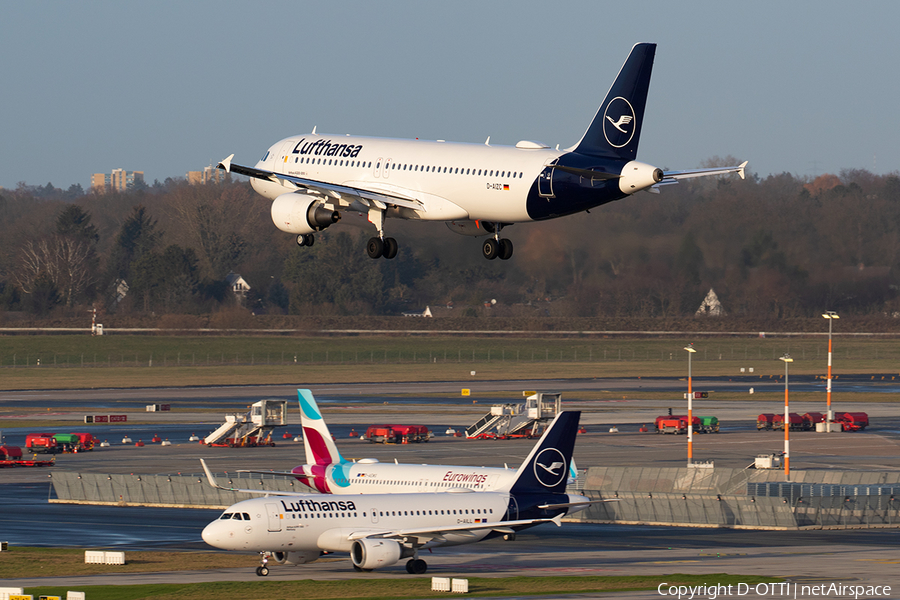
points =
(167, 87)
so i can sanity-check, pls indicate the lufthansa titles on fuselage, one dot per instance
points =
(304, 505)
(322, 147)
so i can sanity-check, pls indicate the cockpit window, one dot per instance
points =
(225, 516)
(246, 516)
(266, 156)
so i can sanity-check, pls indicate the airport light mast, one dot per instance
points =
(787, 422)
(829, 417)
(690, 432)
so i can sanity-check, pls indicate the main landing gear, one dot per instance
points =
(416, 566)
(378, 247)
(306, 239)
(496, 248)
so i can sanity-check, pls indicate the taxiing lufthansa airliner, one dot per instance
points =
(477, 189)
(379, 530)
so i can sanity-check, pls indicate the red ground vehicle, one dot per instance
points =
(674, 425)
(10, 453)
(87, 441)
(380, 434)
(683, 418)
(410, 433)
(852, 421)
(41, 443)
(765, 421)
(795, 420)
(397, 434)
(811, 418)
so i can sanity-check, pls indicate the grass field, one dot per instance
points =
(66, 361)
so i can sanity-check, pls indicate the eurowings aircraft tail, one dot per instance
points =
(320, 447)
(616, 128)
(546, 468)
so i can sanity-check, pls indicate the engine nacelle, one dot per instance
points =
(301, 214)
(472, 228)
(294, 558)
(637, 176)
(374, 553)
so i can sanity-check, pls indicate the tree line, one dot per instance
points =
(782, 246)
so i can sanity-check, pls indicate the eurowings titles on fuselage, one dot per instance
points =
(476, 189)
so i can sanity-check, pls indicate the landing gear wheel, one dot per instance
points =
(306, 239)
(262, 571)
(416, 566)
(506, 249)
(490, 249)
(390, 248)
(375, 247)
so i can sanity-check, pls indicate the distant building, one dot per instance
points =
(424, 313)
(119, 180)
(238, 286)
(207, 175)
(710, 307)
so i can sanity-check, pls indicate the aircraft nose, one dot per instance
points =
(214, 535)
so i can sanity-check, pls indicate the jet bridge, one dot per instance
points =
(253, 428)
(518, 420)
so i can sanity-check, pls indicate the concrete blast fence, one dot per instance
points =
(739, 498)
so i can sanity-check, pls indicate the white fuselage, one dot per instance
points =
(310, 523)
(372, 477)
(454, 181)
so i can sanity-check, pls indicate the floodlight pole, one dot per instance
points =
(829, 416)
(787, 423)
(690, 432)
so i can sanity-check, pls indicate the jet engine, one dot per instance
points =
(637, 176)
(370, 553)
(301, 214)
(294, 558)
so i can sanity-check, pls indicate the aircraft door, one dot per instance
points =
(378, 166)
(387, 167)
(545, 180)
(512, 511)
(274, 515)
(374, 516)
(284, 155)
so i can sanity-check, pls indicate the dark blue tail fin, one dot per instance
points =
(616, 128)
(547, 467)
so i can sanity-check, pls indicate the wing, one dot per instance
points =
(343, 194)
(285, 473)
(673, 177)
(423, 535)
(212, 482)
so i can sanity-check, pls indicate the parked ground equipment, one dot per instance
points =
(41, 443)
(709, 425)
(251, 429)
(765, 421)
(796, 422)
(852, 421)
(671, 425)
(517, 420)
(811, 418)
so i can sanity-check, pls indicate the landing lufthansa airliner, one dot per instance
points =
(477, 189)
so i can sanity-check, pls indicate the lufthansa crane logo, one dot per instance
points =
(618, 122)
(550, 467)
